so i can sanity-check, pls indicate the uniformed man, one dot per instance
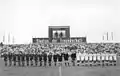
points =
(90, 59)
(27, 59)
(78, 57)
(110, 59)
(114, 59)
(23, 59)
(31, 59)
(103, 58)
(40, 58)
(14, 59)
(106, 58)
(82, 58)
(98, 59)
(45, 58)
(95, 58)
(66, 57)
(18, 59)
(10, 58)
(60, 58)
(86, 59)
(73, 56)
(5, 56)
(55, 57)
(36, 59)
(49, 58)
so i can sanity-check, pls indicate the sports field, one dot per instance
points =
(59, 71)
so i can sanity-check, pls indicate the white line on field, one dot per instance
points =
(60, 71)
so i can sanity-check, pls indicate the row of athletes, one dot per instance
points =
(96, 58)
(38, 59)
(21, 59)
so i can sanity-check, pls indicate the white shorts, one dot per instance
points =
(86, 58)
(115, 58)
(82, 57)
(94, 58)
(78, 58)
(98, 58)
(90, 58)
(110, 58)
(106, 58)
(103, 58)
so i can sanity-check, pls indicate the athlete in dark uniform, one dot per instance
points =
(60, 59)
(27, 59)
(49, 58)
(55, 58)
(23, 59)
(66, 56)
(40, 58)
(45, 58)
(5, 56)
(14, 59)
(73, 57)
(10, 58)
(18, 58)
(31, 59)
(36, 59)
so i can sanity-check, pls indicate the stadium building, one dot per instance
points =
(59, 34)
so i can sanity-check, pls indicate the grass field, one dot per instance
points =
(57, 71)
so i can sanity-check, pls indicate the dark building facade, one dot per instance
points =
(59, 34)
(51, 29)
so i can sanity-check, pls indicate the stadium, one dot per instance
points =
(60, 55)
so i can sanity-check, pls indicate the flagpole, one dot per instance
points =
(112, 35)
(107, 36)
(3, 38)
(103, 38)
(9, 38)
(13, 39)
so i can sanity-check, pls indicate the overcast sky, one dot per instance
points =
(25, 19)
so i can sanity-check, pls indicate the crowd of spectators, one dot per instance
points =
(61, 47)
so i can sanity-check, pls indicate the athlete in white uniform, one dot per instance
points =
(90, 58)
(98, 58)
(110, 58)
(86, 58)
(106, 58)
(103, 58)
(78, 57)
(82, 57)
(94, 57)
(114, 59)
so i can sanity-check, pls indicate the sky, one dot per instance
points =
(25, 19)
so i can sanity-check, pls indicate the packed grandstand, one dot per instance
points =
(43, 47)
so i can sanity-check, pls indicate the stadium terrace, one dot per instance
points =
(59, 47)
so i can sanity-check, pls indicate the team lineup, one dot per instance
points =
(75, 58)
